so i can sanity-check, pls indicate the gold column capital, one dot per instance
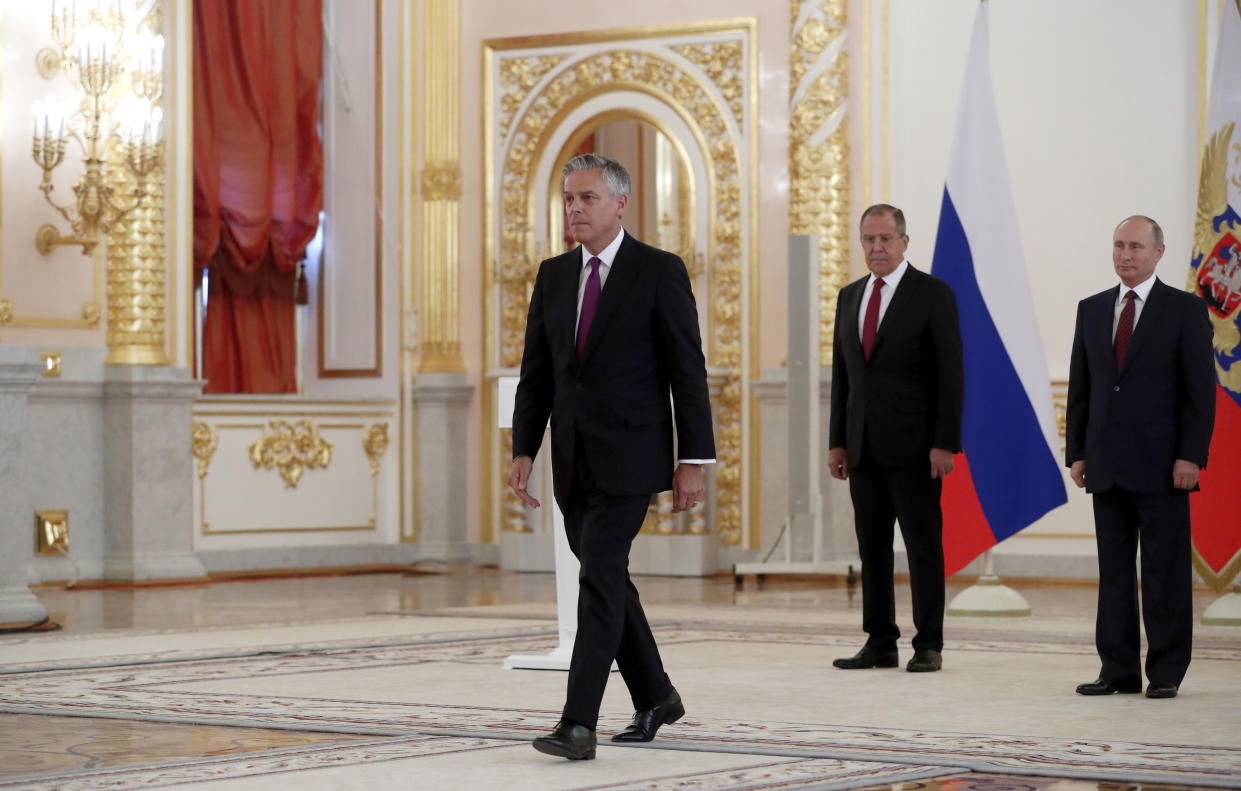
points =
(441, 181)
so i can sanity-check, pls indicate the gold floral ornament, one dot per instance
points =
(291, 448)
(375, 443)
(205, 439)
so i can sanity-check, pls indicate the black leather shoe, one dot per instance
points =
(925, 660)
(646, 723)
(1101, 686)
(1161, 689)
(568, 740)
(866, 658)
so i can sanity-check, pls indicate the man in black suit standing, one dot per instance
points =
(897, 392)
(612, 331)
(1140, 412)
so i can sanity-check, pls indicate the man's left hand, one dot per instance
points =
(1184, 474)
(688, 487)
(941, 462)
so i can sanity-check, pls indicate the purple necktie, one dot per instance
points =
(590, 300)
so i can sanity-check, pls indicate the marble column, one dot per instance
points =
(148, 474)
(17, 604)
(441, 404)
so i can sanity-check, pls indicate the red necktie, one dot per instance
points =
(590, 300)
(870, 325)
(1124, 329)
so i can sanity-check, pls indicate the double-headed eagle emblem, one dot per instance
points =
(1216, 264)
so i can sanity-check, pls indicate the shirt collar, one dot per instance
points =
(1142, 289)
(607, 255)
(893, 278)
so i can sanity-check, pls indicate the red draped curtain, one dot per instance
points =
(258, 182)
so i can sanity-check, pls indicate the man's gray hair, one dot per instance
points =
(614, 173)
(1156, 231)
(886, 208)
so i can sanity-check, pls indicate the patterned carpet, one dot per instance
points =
(764, 712)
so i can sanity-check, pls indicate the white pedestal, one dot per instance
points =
(566, 607)
(567, 566)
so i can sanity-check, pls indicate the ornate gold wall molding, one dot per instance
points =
(204, 440)
(819, 171)
(291, 448)
(375, 444)
(708, 85)
(440, 338)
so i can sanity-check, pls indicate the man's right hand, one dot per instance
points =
(1078, 473)
(838, 463)
(519, 477)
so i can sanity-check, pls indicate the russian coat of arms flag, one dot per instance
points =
(1215, 275)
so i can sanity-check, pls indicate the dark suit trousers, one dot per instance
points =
(882, 495)
(1159, 524)
(610, 621)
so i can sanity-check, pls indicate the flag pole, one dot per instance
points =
(988, 598)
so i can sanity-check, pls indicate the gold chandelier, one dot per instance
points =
(118, 76)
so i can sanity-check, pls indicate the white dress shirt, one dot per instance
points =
(606, 256)
(1143, 291)
(890, 282)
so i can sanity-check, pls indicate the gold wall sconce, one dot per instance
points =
(51, 364)
(118, 77)
(51, 532)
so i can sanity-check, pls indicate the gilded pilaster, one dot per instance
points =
(137, 301)
(819, 171)
(440, 338)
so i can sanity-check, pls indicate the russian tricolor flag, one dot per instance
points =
(1008, 474)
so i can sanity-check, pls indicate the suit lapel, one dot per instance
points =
(1101, 323)
(566, 274)
(621, 279)
(849, 308)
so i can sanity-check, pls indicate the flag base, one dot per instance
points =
(989, 598)
(1224, 611)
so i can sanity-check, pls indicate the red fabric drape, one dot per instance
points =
(258, 182)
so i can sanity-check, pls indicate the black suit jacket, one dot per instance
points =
(1131, 425)
(643, 344)
(907, 397)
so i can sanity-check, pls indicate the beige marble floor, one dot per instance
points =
(32, 743)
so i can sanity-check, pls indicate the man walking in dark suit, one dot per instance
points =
(612, 331)
(1140, 412)
(897, 394)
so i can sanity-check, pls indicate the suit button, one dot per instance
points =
(1116, 389)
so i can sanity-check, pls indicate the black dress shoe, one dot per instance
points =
(925, 660)
(646, 723)
(568, 740)
(1161, 689)
(866, 658)
(1101, 686)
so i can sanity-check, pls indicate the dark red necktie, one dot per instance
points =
(870, 325)
(590, 300)
(1124, 329)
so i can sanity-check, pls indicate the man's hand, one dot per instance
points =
(688, 487)
(1184, 474)
(838, 463)
(941, 462)
(1078, 473)
(519, 477)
